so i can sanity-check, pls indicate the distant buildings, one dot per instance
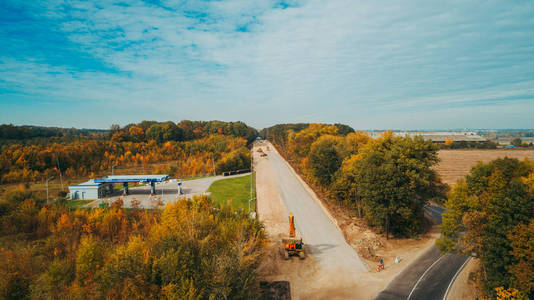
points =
(444, 136)
(438, 136)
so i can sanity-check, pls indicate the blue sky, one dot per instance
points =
(369, 64)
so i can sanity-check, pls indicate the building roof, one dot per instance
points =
(131, 178)
(89, 183)
(444, 136)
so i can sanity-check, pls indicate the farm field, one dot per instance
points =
(455, 164)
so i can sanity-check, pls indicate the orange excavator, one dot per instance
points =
(292, 246)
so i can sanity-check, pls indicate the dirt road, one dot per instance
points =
(279, 192)
(323, 238)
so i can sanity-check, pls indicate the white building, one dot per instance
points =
(90, 190)
(102, 187)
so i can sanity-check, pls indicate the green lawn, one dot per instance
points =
(77, 203)
(235, 191)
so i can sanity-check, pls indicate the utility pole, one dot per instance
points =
(47, 188)
(213, 164)
(59, 168)
(387, 223)
(251, 173)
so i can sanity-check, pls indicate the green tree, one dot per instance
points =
(89, 259)
(482, 211)
(344, 188)
(394, 179)
(459, 201)
(155, 132)
(516, 142)
(324, 158)
(53, 282)
(522, 269)
(171, 132)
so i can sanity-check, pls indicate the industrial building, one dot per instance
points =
(444, 136)
(102, 187)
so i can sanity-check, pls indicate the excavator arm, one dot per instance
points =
(291, 225)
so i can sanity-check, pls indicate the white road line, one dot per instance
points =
(454, 278)
(413, 289)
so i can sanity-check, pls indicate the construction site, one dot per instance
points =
(332, 242)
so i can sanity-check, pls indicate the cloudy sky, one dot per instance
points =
(370, 64)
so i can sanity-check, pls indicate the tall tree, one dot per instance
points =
(324, 158)
(394, 179)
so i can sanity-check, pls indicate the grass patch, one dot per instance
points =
(74, 204)
(235, 191)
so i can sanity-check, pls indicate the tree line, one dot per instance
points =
(190, 250)
(387, 180)
(195, 147)
(449, 144)
(10, 134)
(183, 131)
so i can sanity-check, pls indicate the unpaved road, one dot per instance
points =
(333, 270)
(321, 236)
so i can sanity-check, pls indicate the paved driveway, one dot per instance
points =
(165, 191)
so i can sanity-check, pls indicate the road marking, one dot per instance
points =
(413, 289)
(454, 278)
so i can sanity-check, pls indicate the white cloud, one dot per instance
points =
(330, 61)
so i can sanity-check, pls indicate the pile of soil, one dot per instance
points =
(368, 246)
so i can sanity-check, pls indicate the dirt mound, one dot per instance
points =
(363, 240)
(368, 247)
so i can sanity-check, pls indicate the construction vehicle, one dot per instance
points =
(262, 154)
(292, 246)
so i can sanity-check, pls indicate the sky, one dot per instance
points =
(368, 64)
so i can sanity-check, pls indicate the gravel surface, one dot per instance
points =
(321, 236)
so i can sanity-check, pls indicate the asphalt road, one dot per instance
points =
(321, 236)
(429, 276)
